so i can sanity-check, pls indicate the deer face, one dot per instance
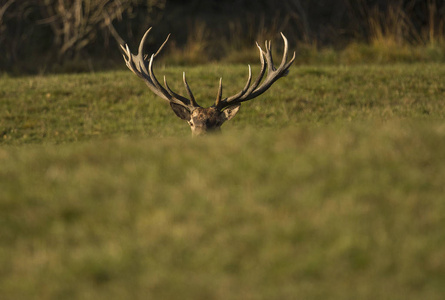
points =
(205, 120)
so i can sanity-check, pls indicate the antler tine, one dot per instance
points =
(286, 49)
(170, 91)
(127, 57)
(189, 91)
(262, 71)
(173, 97)
(219, 95)
(154, 80)
(289, 63)
(162, 46)
(123, 47)
(242, 92)
(269, 59)
(142, 43)
(284, 64)
(273, 74)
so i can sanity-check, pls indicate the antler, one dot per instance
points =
(143, 68)
(252, 91)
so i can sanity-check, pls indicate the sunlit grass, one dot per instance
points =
(63, 108)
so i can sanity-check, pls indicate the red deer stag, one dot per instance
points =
(200, 119)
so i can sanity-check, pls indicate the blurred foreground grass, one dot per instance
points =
(330, 188)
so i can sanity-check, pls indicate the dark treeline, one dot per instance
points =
(36, 34)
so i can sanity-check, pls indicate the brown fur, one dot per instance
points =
(204, 120)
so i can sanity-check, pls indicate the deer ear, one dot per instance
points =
(230, 112)
(181, 111)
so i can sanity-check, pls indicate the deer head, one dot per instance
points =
(203, 120)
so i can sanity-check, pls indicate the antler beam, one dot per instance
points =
(139, 65)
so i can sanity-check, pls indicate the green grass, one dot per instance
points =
(65, 108)
(331, 186)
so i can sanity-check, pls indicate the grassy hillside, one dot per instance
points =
(329, 187)
(64, 108)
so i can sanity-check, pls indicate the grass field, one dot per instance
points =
(331, 186)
